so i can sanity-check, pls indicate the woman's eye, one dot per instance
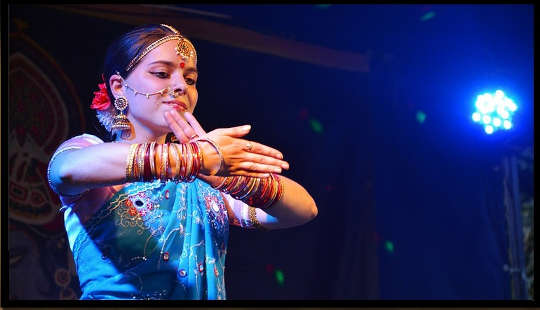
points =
(190, 81)
(161, 74)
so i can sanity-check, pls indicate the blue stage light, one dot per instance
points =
(494, 110)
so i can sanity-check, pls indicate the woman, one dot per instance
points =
(147, 218)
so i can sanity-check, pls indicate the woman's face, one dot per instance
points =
(161, 68)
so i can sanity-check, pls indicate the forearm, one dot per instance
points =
(75, 171)
(296, 207)
(116, 163)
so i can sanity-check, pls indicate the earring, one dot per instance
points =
(120, 122)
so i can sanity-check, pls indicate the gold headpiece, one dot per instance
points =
(184, 47)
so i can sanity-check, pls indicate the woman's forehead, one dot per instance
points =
(166, 53)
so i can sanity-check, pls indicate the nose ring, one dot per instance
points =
(175, 92)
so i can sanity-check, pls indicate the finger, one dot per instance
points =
(267, 160)
(235, 132)
(254, 147)
(186, 128)
(177, 130)
(256, 167)
(194, 123)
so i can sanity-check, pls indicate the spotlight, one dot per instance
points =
(494, 110)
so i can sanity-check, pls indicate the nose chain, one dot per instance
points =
(171, 92)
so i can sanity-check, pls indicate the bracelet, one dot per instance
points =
(140, 161)
(174, 161)
(129, 162)
(150, 161)
(253, 219)
(256, 192)
(218, 150)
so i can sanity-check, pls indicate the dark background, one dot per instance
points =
(407, 209)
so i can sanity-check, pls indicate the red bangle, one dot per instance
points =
(196, 163)
(136, 174)
(147, 170)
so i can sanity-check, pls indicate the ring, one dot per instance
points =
(249, 146)
(194, 136)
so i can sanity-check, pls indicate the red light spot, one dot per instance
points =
(269, 268)
(303, 113)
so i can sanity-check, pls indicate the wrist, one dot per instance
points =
(211, 159)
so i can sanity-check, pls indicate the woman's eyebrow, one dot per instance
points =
(191, 70)
(172, 64)
(165, 62)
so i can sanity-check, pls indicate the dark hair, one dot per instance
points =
(129, 46)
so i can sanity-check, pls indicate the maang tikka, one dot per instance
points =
(120, 122)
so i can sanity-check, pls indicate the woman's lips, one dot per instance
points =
(177, 104)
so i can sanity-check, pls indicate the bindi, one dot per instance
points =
(182, 65)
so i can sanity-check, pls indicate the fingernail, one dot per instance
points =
(280, 156)
(277, 170)
(247, 127)
(285, 166)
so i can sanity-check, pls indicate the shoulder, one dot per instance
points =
(80, 141)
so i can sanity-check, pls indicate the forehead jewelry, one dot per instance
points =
(184, 47)
(171, 92)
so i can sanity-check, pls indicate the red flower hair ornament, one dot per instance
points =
(101, 99)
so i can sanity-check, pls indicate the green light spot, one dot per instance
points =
(322, 6)
(316, 125)
(389, 246)
(420, 116)
(428, 15)
(280, 277)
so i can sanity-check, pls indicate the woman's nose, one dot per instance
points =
(178, 87)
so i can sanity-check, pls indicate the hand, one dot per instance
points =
(240, 156)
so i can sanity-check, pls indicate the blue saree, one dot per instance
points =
(153, 240)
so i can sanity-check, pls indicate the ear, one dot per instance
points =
(117, 85)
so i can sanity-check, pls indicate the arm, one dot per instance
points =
(296, 207)
(84, 166)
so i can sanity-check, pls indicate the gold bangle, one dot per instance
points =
(157, 161)
(162, 169)
(253, 218)
(189, 160)
(253, 189)
(223, 180)
(218, 150)
(142, 152)
(175, 171)
(152, 161)
(178, 147)
(129, 162)
(247, 188)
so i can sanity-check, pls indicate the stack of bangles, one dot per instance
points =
(147, 162)
(171, 161)
(256, 192)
